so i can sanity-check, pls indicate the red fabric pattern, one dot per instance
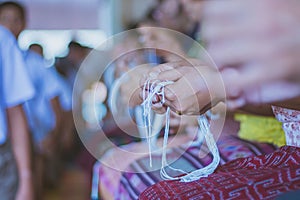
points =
(258, 177)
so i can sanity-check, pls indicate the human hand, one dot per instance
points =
(196, 88)
(260, 41)
(130, 88)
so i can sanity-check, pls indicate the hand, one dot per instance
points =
(260, 41)
(130, 88)
(196, 88)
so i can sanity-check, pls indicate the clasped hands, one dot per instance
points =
(197, 87)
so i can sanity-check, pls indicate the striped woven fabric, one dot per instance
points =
(259, 177)
(139, 175)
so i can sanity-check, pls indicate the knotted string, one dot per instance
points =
(156, 88)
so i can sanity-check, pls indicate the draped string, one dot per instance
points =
(156, 89)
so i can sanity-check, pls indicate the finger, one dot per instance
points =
(164, 67)
(189, 102)
(135, 99)
(159, 108)
(171, 93)
(176, 99)
(170, 75)
(155, 71)
(234, 104)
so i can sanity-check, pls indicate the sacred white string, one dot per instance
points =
(157, 89)
(153, 89)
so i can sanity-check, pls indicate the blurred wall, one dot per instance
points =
(109, 15)
(128, 11)
(62, 14)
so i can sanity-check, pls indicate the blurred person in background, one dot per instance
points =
(171, 14)
(68, 66)
(52, 138)
(67, 132)
(16, 180)
(43, 111)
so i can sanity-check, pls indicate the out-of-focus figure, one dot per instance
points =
(17, 180)
(68, 66)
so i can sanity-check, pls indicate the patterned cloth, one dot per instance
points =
(290, 123)
(139, 176)
(258, 177)
(116, 160)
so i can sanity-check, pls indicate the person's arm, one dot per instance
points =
(21, 147)
(57, 110)
(50, 143)
(264, 60)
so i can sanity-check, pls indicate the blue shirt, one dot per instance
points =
(65, 90)
(48, 85)
(40, 115)
(15, 85)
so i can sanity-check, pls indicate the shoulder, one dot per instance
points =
(6, 36)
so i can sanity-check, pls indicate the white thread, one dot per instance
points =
(157, 88)
(154, 89)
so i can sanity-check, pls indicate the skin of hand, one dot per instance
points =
(258, 42)
(130, 88)
(197, 87)
(130, 92)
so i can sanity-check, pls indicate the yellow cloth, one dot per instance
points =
(261, 129)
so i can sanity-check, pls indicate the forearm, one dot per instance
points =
(20, 139)
(55, 104)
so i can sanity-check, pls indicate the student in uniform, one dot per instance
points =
(15, 88)
(43, 111)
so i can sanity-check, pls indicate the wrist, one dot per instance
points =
(214, 83)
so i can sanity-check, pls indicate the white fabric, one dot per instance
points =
(15, 85)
